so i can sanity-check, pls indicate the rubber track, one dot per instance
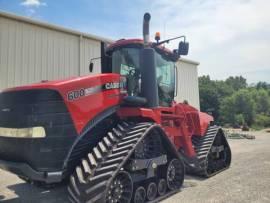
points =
(91, 178)
(202, 147)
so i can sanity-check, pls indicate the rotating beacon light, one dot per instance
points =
(157, 36)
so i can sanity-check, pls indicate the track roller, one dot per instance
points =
(162, 187)
(139, 195)
(120, 189)
(175, 174)
(151, 191)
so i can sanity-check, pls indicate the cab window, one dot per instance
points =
(126, 62)
(165, 79)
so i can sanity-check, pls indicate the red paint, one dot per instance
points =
(180, 122)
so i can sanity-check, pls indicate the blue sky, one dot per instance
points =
(229, 37)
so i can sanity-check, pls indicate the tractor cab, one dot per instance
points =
(148, 67)
(123, 57)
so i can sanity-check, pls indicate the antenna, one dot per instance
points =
(164, 29)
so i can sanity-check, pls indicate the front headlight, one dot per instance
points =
(34, 132)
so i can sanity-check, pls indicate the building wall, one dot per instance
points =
(188, 87)
(31, 52)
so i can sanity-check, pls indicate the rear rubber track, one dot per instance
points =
(204, 146)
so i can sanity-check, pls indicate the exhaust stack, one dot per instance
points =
(146, 35)
(148, 67)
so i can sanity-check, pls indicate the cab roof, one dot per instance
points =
(140, 43)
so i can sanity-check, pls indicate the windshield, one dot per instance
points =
(126, 62)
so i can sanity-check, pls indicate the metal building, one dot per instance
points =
(187, 83)
(32, 51)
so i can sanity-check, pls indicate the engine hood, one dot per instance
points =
(85, 97)
(65, 83)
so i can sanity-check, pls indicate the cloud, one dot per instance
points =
(227, 37)
(32, 6)
(33, 3)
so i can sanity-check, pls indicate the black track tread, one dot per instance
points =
(79, 174)
(99, 186)
(202, 146)
(121, 127)
(107, 142)
(131, 137)
(74, 185)
(97, 154)
(86, 168)
(123, 143)
(122, 148)
(136, 130)
(107, 164)
(118, 154)
(117, 133)
(106, 168)
(92, 160)
(73, 197)
(112, 161)
(102, 148)
(112, 137)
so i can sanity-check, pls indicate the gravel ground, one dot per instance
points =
(247, 180)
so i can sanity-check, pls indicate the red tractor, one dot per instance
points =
(118, 136)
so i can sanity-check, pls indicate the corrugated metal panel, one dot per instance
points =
(188, 87)
(30, 53)
(90, 49)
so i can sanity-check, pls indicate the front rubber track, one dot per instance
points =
(93, 176)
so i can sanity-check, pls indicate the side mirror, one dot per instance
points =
(183, 48)
(91, 67)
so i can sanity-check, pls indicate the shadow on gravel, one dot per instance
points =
(31, 193)
(192, 181)
(190, 177)
(26, 192)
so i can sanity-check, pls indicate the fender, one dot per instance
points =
(84, 135)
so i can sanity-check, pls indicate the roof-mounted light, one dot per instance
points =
(157, 36)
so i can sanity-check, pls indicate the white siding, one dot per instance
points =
(31, 52)
(90, 49)
(188, 87)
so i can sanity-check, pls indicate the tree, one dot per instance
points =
(211, 94)
(262, 100)
(208, 96)
(237, 82)
(235, 103)
(262, 85)
(245, 105)
(240, 103)
(228, 110)
(239, 119)
(262, 120)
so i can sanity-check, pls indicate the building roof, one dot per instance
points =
(189, 61)
(67, 30)
(53, 27)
